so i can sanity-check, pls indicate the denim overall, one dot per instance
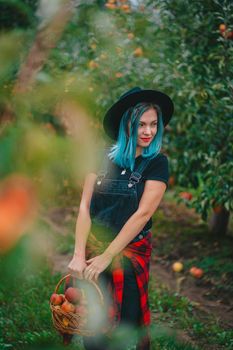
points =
(114, 201)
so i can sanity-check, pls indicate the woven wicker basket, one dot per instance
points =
(74, 323)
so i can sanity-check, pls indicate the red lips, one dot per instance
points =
(146, 139)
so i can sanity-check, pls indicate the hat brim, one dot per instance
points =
(113, 116)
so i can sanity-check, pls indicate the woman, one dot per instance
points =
(117, 205)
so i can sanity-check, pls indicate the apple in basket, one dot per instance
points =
(73, 295)
(67, 307)
(57, 299)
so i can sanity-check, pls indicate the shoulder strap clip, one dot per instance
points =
(137, 174)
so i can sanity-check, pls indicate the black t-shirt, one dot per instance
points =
(157, 169)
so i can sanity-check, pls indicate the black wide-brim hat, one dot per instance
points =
(129, 99)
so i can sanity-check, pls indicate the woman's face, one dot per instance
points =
(147, 128)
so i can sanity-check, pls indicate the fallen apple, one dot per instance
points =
(192, 270)
(196, 272)
(177, 266)
(186, 195)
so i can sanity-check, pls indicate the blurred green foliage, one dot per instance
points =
(182, 53)
(200, 69)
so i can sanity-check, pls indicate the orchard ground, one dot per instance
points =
(187, 313)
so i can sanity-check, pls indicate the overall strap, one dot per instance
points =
(137, 173)
(143, 164)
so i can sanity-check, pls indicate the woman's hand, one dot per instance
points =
(97, 265)
(77, 266)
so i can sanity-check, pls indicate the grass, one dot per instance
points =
(25, 316)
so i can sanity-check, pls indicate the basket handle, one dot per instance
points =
(91, 281)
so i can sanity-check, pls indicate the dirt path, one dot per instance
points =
(198, 295)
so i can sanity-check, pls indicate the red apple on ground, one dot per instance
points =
(192, 270)
(186, 195)
(196, 272)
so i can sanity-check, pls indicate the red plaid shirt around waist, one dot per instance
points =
(139, 254)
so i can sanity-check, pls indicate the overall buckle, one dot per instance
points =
(100, 177)
(134, 178)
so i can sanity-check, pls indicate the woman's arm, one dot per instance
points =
(83, 225)
(152, 195)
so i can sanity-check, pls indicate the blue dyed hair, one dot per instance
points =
(123, 151)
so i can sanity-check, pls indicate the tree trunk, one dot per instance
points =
(218, 222)
(45, 40)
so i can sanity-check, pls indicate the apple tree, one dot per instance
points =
(195, 40)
